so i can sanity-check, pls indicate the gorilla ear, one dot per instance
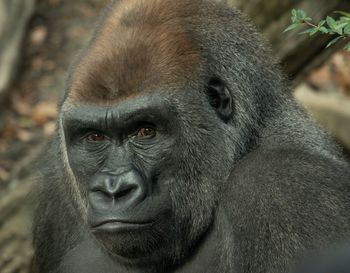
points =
(220, 98)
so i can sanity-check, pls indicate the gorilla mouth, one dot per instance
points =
(115, 225)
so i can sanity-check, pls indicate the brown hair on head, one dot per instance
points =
(140, 45)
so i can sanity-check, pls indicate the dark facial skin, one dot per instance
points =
(118, 154)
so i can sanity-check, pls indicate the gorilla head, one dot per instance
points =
(146, 130)
(176, 129)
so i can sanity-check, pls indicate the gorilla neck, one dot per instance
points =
(212, 255)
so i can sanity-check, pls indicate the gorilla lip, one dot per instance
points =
(115, 225)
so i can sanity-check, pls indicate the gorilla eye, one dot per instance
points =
(146, 132)
(95, 137)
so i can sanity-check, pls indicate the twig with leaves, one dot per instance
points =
(339, 28)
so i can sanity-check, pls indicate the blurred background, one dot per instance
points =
(39, 39)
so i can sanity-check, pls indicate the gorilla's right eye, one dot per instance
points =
(95, 137)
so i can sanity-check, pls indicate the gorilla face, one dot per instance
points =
(146, 168)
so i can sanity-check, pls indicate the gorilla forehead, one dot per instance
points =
(97, 116)
(138, 46)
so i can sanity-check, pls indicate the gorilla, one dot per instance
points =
(332, 260)
(179, 148)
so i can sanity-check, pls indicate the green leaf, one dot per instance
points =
(347, 47)
(340, 25)
(294, 16)
(336, 26)
(307, 31)
(346, 14)
(310, 31)
(292, 26)
(314, 31)
(331, 22)
(347, 30)
(344, 19)
(323, 30)
(301, 14)
(321, 23)
(333, 41)
(295, 19)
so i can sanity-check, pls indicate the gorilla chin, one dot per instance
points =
(127, 240)
(132, 241)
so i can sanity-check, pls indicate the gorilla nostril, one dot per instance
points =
(124, 192)
(99, 194)
(102, 192)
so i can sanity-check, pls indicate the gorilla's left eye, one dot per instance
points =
(146, 132)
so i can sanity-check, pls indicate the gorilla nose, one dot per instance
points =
(124, 189)
(116, 190)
